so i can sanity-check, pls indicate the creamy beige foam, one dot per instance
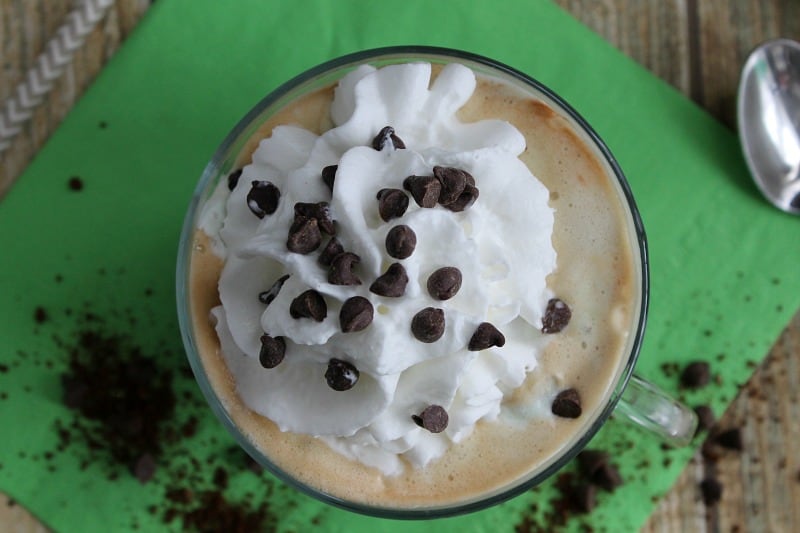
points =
(597, 274)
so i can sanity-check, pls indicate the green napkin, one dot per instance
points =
(101, 259)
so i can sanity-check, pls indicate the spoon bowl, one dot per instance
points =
(768, 113)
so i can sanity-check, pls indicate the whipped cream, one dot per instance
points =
(501, 244)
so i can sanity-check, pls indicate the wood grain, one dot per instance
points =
(697, 46)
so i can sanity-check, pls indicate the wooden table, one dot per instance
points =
(696, 46)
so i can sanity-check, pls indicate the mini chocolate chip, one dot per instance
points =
(233, 178)
(485, 336)
(464, 200)
(387, 135)
(263, 198)
(428, 325)
(319, 211)
(392, 203)
(705, 418)
(309, 304)
(434, 418)
(391, 283)
(267, 296)
(424, 189)
(444, 283)
(453, 181)
(341, 375)
(401, 241)
(711, 490)
(331, 250)
(356, 314)
(696, 374)
(329, 175)
(341, 269)
(273, 349)
(304, 235)
(567, 404)
(730, 439)
(556, 316)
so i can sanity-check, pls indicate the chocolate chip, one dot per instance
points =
(356, 314)
(386, 135)
(428, 325)
(391, 283)
(730, 439)
(341, 269)
(711, 489)
(444, 283)
(304, 236)
(309, 304)
(341, 375)
(705, 418)
(401, 241)
(329, 175)
(424, 189)
(567, 404)
(485, 336)
(319, 211)
(696, 374)
(331, 250)
(233, 178)
(263, 198)
(434, 418)
(464, 200)
(392, 203)
(272, 351)
(144, 468)
(556, 316)
(267, 296)
(453, 181)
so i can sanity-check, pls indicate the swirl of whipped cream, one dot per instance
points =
(501, 244)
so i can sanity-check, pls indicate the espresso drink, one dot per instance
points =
(597, 274)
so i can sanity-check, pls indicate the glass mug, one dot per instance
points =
(627, 395)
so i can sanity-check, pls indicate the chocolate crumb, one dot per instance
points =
(233, 178)
(341, 375)
(567, 404)
(486, 335)
(695, 375)
(434, 418)
(590, 461)
(387, 136)
(400, 242)
(304, 235)
(144, 468)
(40, 315)
(356, 314)
(309, 304)
(266, 297)
(556, 316)
(331, 250)
(711, 490)
(341, 269)
(273, 350)
(705, 418)
(730, 439)
(424, 189)
(584, 497)
(263, 198)
(428, 325)
(319, 211)
(391, 283)
(329, 175)
(607, 476)
(453, 180)
(75, 184)
(444, 283)
(392, 203)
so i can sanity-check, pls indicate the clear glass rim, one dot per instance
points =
(212, 172)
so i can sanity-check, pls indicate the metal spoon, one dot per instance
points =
(768, 112)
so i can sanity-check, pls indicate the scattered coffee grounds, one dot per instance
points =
(695, 375)
(320, 211)
(273, 350)
(424, 189)
(266, 297)
(304, 235)
(341, 375)
(40, 315)
(263, 198)
(331, 250)
(705, 418)
(341, 269)
(75, 184)
(485, 336)
(329, 175)
(391, 283)
(556, 316)
(233, 178)
(309, 304)
(453, 180)
(209, 511)
(711, 490)
(464, 200)
(444, 283)
(567, 404)
(400, 242)
(428, 325)
(356, 314)
(730, 439)
(392, 203)
(387, 136)
(434, 418)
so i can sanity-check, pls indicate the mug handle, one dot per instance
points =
(649, 407)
